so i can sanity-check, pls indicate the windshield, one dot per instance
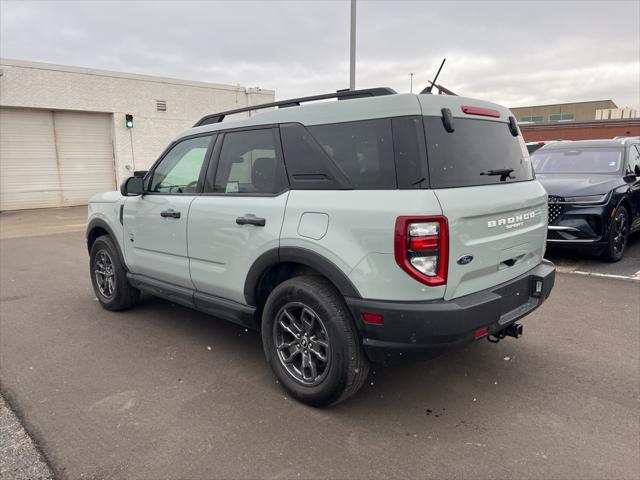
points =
(586, 160)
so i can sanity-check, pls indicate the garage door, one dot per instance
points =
(53, 159)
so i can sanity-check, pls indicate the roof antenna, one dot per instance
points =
(433, 82)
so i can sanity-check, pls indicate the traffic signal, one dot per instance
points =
(129, 120)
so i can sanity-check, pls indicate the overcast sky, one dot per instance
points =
(511, 52)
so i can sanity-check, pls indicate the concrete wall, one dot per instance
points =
(583, 111)
(55, 87)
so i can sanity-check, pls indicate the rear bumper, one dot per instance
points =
(420, 327)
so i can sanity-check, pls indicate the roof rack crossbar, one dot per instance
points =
(294, 102)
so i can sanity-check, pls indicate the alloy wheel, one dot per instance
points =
(620, 233)
(104, 274)
(302, 343)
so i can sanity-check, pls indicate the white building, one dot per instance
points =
(63, 135)
(616, 113)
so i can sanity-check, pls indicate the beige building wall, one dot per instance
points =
(582, 111)
(55, 87)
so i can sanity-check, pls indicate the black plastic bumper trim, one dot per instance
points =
(411, 326)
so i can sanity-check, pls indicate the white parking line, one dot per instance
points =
(633, 278)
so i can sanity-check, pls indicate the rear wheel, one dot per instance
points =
(618, 235)
(109, 277)
(310, 342)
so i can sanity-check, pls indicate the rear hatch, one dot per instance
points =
(482, 176)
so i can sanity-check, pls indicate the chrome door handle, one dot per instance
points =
(250, 219)
(171, 213)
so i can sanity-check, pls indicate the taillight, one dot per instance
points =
(422, 248)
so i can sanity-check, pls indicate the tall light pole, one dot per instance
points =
(352, 57)
(411, 84)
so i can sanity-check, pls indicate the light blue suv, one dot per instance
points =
(347, 232)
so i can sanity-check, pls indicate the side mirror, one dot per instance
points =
(633, 175)
(132, 186)
(140, 173)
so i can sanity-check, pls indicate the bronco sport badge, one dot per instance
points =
(511, 222)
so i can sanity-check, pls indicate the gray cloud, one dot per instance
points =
(515, 53)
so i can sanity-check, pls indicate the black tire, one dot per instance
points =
(122, 295)
(347, 367)
(618, 236)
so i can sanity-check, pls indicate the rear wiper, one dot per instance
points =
(503, 172)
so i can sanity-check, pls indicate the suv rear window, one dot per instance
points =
(466, 156)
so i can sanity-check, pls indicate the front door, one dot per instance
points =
(155, 223)
(240, 218)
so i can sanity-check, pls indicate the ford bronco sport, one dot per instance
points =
(347, 232)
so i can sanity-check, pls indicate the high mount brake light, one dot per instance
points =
(421, 248)
(483, 112)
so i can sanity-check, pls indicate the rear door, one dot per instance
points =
(496, 211)
(240, 214)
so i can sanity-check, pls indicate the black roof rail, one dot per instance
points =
(294, 102)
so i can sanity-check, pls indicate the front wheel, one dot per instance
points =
(618, 235)
(310, 342)
(109, 277)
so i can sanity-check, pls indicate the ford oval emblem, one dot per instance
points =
(465, 259)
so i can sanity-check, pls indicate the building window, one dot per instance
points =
(565, 117)
(532, 119)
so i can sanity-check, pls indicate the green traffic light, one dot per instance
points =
(129, 121)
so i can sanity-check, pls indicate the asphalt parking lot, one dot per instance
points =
(161, 391)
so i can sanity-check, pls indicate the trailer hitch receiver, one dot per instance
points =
(514, 330)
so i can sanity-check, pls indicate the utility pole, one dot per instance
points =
(411, 84)
(352, 57)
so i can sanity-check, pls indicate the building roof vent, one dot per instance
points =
(161, 105)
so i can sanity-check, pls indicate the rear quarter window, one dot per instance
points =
(362, 150)
(308, 165)
(465, 157)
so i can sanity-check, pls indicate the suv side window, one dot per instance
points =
(362, 150)
(179, 170)
(634, 160)
(250, 162)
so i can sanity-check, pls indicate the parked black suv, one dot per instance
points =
(594, 193)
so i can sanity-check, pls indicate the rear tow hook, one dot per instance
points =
(514, 330)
